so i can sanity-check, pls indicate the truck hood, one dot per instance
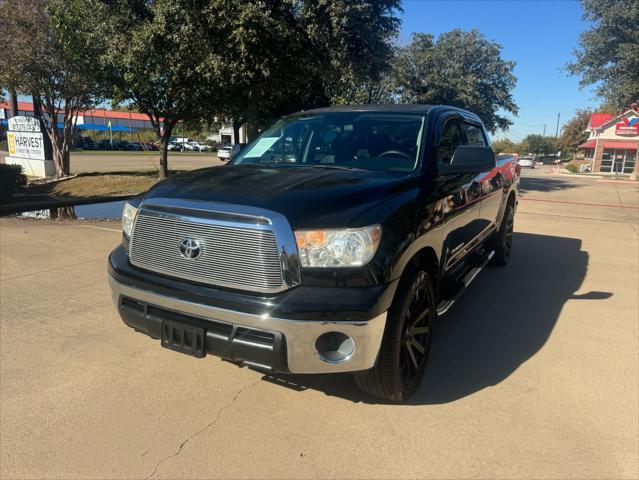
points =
(309, 197)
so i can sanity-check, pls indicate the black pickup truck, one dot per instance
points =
(329, 244)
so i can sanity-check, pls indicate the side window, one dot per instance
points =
(474, 135)
(449, 140)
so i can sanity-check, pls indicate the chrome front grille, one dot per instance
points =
(233, 255)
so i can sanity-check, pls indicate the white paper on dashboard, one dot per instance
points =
(261, 147)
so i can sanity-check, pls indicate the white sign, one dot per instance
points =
(261, 147)
(26, 144)
(24, 124)
(2, 114)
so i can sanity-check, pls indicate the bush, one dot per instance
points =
(571, 167)
(11, 179)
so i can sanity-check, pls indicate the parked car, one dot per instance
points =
(105, 144)
(152, 146)
(190, 147)
(201, 147)
(174, 147)
(88, 144)
(527, 162)
(329, 244)
(121, 145)
(225, 152)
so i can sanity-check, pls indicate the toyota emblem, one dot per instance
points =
(190, 248)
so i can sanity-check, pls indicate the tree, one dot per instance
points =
(286, 56)
(574, 132)
(244, 60)
(608, 53)
(154, 60)
(537, 145)
(49, 52)
(505, 146)
(461, 69)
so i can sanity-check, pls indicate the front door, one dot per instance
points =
(489, 184)
(458, 196)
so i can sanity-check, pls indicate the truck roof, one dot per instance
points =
(390, 108)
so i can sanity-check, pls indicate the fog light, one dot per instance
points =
(334, 347)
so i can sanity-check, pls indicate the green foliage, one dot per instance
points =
(571, 167)
(608, 53)
(11, 180)
(461, 69)
(537, 145)
(241, 60)
(505, 146)
(50, 50)
(574, 132)
(281, 57)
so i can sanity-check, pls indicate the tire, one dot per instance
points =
(502, 242)
(406, 343)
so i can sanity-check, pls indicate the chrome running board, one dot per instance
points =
(445, 305)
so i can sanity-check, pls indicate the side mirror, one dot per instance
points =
(470, 159)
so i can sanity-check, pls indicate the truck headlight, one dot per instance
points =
(128, 217)
(351, 247)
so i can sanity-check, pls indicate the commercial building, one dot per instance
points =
(613, 142)
(91, 120)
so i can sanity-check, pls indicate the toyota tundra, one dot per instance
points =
(331, 243)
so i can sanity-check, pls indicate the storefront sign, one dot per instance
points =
(627, 127)
(26, 139)
(26, 145)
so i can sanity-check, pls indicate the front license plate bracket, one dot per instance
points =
(184, 338)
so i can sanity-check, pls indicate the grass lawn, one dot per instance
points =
(94, 185)
(85, 187)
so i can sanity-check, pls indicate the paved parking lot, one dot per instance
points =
(533, 373)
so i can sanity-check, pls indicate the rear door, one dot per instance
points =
(458, 202)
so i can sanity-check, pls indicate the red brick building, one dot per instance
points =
(613, 142)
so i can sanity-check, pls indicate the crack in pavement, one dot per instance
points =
(199, 432)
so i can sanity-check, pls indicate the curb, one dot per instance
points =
(25, 207)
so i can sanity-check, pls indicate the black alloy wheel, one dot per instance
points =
(406, 344)
(502, 243)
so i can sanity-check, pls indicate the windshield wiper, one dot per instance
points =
(335, 167)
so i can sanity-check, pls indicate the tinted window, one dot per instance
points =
(474, 135)
(449, 140)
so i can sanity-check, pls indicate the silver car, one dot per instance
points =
(527, 162)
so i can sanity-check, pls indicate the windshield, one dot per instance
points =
(367, 141)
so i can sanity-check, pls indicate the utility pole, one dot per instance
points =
(544, 134)
(557, 129)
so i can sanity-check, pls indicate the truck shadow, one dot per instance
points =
(504, 319)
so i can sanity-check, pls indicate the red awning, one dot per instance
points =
(615, 144)
(590, 144)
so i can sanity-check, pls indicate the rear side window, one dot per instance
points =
(450, 138)
(474, 135)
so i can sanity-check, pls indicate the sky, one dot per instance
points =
(539, 35)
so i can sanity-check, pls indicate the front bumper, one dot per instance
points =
(257, 340)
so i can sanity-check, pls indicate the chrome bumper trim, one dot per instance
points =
(300, 335)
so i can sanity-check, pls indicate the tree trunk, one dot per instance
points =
(37, 106)
(252, 131)
(236, 132)
(13, 103)
(164, 152)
